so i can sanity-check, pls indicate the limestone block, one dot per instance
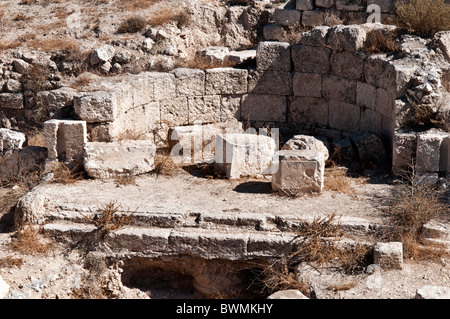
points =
(370, 147)
(212, 55)
(230, 107)
(316, 37)
(366, 95)
(11, 101)
(344, 116)
(388, 255)
(11, 140)
(189, 82)
(287, 18)
(287, 294)
(308, 111)
(308, 59)
(65, 140)
(4, 289)
(102, 54)
(350, 5)
(309, 143)
(18, 162)
(204, 109)
(299, 172)
(118, 159)
(261, 107)
(442, 41)
(164, 86)
(349, 65)
(307, 84)
(346, 37)
(237, 58)
(269, 82)
(13, 86)
(20, 66)
(226, 81)
(429, 148)
(324, 3)
(274, 32)
(174, 112)
(385, 103)
(96, 107)
(433, 292)
(339, 89)
(313, 18)
(238, 155)
(304, 5)
(371, 121)
(342, 149)
(273, 56)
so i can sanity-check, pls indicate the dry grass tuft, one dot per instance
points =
(108, 219)
(344, 286)
(336, 180)
(28, 240)
(65, 175)
(11, 262)
(423, 17)
(381, 42)
(132, 25)
(423, 114)
(164, 164)
(126, 180)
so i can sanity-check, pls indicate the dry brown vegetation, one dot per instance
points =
(11, 262)
(29, 240)
(65, 175)
(382, 42)
(336, 180)
(423, 17)
(108, 218)
(132, 25)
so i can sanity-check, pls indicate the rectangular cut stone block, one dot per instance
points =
(307, 84)
(205, 109)
(117, 159)
(11, 101)
(308, 59)
(299, 172)
(270, 82)
(164, 86)
(324, 3)
(346, 37)
(238, 155)
(304, 5)
(260, 107)
(384, 103)
(287, 18)
(96, 107)
(388, 255)
(366, 95)
(344, 116)
(273, 56)
(429, 150)
(308, 111)
(189, 82)
(339, 89)
(350, 5)
(237, 58)
(274, 32)
(174, 112)
(316, 37)
(65, 140)
(313, 18)
(226, 81)
(11, 140)
(349, 65)
(230, 108)
(371, 121)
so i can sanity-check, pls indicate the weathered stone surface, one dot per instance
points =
(433, 292)
(307, 84)
(308, 111)
(273, 56)
(304, 5)
(324, 3)
(102, 54)
(19, 162)
(370, 147)
(125, 158)
(388, 255)
(174, 112)
(349, 65)
(4, 289)
(316, 37)
(238, 155)
(298, 172)
(350, 5)
(230, 108)
(11, 101)
(226, 81)
(309, 59)
(429, 148)
(65, 139)
(344, 116)
(237, 58)
(20, 66)
(11, 140)
(310, 143)
(164, 86)
(348, 38)
(212, 55)
(339, 89)
(13, 86)
(287, 18)
(269, 82)
(313, 18)
(371, 121)
(260, 107)
(95, 107)
(273, 32)
(385, 103)
(442, 41)
(403, 152)
(189, 82)
(204, 109)
(366, 95)
(386, 6)
(287, 294)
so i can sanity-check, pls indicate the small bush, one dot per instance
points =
(108, 219)
(28, 240)
(132, 25)
(423, 17)
(381, 42)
